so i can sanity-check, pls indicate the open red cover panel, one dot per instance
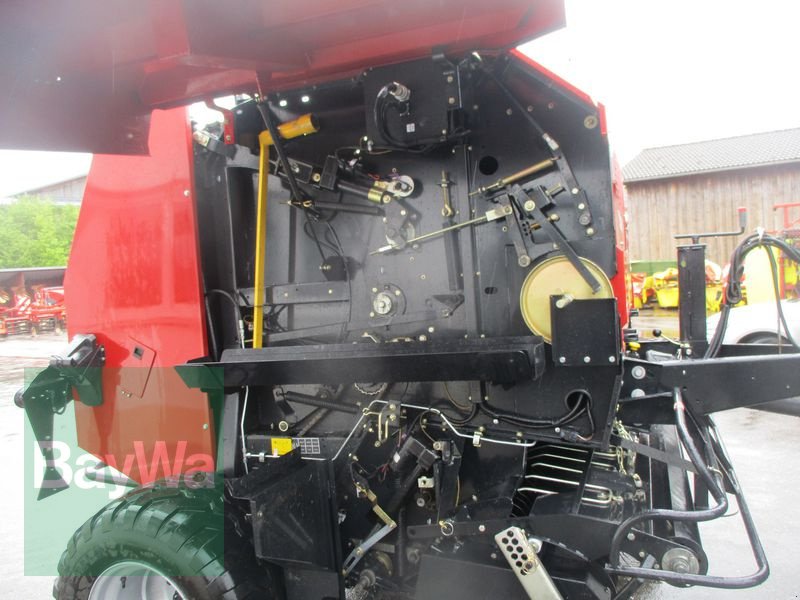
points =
(85, 74)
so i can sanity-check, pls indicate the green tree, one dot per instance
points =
(36, 232)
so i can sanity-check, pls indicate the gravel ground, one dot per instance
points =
(763, 446)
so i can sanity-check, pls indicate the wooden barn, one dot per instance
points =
(698, 187)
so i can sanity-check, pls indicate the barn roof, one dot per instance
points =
(744, 151)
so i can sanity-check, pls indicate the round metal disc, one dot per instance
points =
(556, 277)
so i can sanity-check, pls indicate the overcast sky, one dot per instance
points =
(668, 72)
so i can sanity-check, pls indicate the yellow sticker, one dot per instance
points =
(281, 446)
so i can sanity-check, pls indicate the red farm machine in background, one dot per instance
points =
(32, 301)
(375, 317)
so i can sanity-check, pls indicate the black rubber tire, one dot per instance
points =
(180, 532)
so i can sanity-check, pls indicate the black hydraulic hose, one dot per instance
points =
(682, 515)
(320, 403)
(695, 516)
(733, 290)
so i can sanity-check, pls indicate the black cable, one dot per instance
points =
(733, 291)
(578, 410)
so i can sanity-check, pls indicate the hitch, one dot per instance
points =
(50, 392)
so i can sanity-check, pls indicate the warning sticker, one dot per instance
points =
(281, 446)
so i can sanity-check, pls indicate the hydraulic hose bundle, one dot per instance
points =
(733, 290)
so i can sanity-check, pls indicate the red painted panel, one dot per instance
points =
(134, 281)
(621, 282)
(118, 59)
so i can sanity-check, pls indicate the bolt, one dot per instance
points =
(612, 359)
(481, 528)
(374, 290)
(403, 213)
(451, 100)
(205, 426)
(631, 537)
(509, 112)
(529, 205)
(493, 556)
(371, 315)
(562, 359)
(283, 426)
(431, 329)
(186, 193)
(530, 108)
(423, 338)
(316, 177)
(554, 217)
(423, 277)
(587, 359)
(524, 261)
(330, 291)
(495, 422)
(581, 206)
(637, 393)
(638, 372)
(590, 231)
(449, 79)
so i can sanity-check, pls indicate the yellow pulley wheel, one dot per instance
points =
(557, 277)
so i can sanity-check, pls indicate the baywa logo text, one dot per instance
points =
(151, 464)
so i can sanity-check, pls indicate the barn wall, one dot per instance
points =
(659, 209)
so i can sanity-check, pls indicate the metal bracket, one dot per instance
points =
(51, 390)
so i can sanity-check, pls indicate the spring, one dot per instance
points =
(555, 469)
